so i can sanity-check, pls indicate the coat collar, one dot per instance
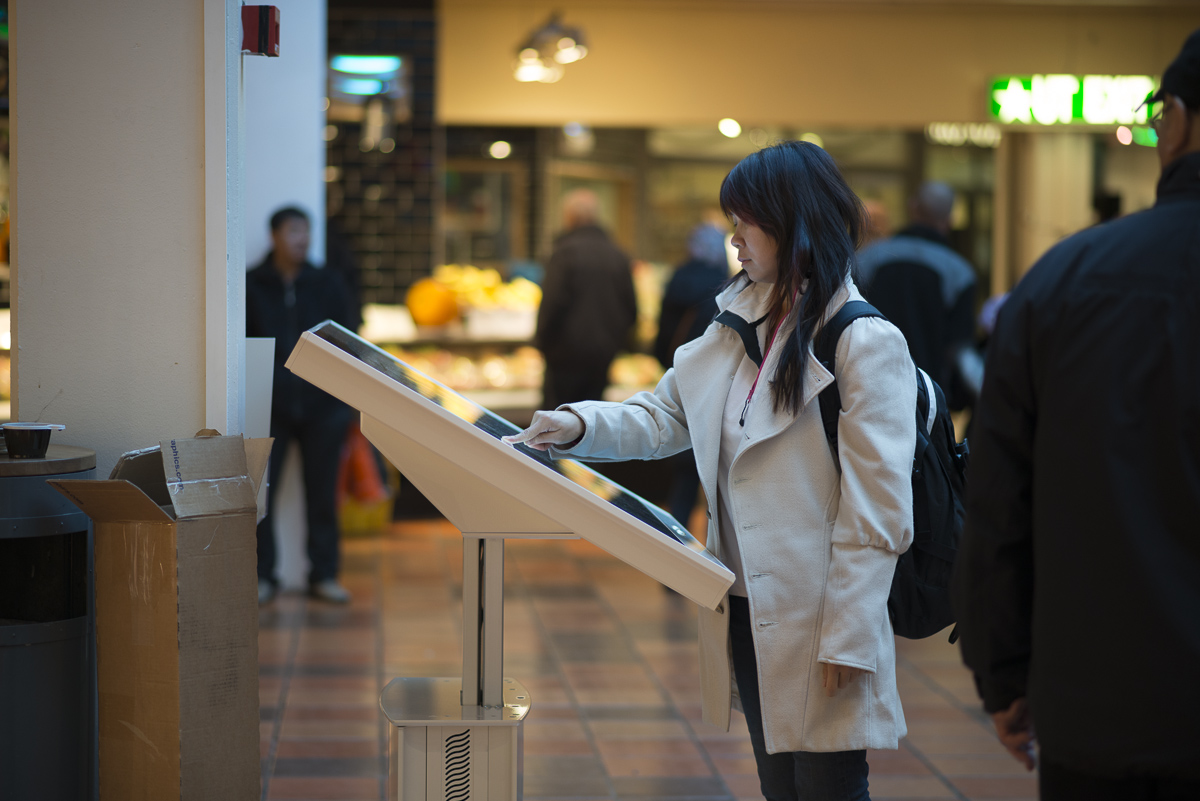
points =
(763, 422)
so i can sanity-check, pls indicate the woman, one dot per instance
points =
(804, 636)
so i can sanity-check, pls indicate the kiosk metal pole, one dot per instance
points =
(483, 621)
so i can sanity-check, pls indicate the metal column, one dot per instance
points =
(483, 621)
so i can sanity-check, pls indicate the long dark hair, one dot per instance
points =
(795, 193)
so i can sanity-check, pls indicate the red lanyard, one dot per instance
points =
(770, 343)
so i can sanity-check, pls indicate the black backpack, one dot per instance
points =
(919, 604)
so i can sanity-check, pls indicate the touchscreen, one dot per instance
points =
(498, 427)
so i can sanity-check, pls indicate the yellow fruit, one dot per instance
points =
(431, 303)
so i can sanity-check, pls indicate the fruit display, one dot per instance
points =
(484, 289)
(521, 368)
(430, 302)
(635, 370)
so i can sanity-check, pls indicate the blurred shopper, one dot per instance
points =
(878, 225)
(1078, 586)
(924, 287)
(588, 305)
(689, 304)
(804, 630)
(285, 296)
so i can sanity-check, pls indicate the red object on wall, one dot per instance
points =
(260, 30)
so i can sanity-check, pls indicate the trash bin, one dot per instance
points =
(47, 643)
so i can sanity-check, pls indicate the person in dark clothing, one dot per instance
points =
(588, 306)
(285, 296)
(689, 304)
(925, 288)
(1078, 582)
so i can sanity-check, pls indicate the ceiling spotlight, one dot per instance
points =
(541, 56)
(1124, 135)
(500, 149)
(729, 127)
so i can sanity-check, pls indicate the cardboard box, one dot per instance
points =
(177, 619)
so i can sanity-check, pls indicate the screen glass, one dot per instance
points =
(497, 427)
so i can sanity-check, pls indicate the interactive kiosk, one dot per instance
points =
(455, 738)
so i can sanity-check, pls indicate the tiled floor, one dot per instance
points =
(609, 658)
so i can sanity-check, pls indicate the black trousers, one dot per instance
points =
(320, 440)
(1060, 783)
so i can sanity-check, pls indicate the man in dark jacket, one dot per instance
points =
(689, 304)
(588, 306)
(924, 287)
(1078, 582)
(285, 296)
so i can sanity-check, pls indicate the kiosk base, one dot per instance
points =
(442, 750)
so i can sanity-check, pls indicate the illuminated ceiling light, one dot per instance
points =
(1124, 135)
(528, 72)
(812, 138)
(729, 127)
(541, 56)
(359, 86)
(500, 150)
(366, 65)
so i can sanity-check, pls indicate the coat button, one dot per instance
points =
(720, 609)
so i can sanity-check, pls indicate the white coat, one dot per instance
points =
(818, 548)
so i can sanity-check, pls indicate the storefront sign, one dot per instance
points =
(1071, 99)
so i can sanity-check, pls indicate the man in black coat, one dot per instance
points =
(285, 296)
(923, 287)
(1078, 582)
(588, 306)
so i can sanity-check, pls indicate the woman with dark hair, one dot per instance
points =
(803, 640)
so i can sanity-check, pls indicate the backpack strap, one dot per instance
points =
(746, 330)
(826, 352)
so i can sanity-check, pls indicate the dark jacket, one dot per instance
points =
(588, 303)
(273, 310)
(689, 304)
(1078, 582)
(928, 291)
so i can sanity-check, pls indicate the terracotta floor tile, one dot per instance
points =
(908, 787)
(610, 661)
(997, 786)
(655, 766)
(648, 747)
(554, 747)
(640, 729)
(323, 788)
(999, 765)
(328, 748)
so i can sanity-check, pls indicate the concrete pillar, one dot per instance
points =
(1052, 196)
(127, 250)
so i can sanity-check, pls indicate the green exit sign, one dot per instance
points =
(1071, 99)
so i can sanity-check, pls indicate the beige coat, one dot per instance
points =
(818, 548)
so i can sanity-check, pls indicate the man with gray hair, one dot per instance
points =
(925, 288)
(588, 305)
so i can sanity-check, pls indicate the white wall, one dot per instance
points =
(285, 154)
(113, 297)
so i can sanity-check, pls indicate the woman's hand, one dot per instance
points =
(549, 428)
(835, 677)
